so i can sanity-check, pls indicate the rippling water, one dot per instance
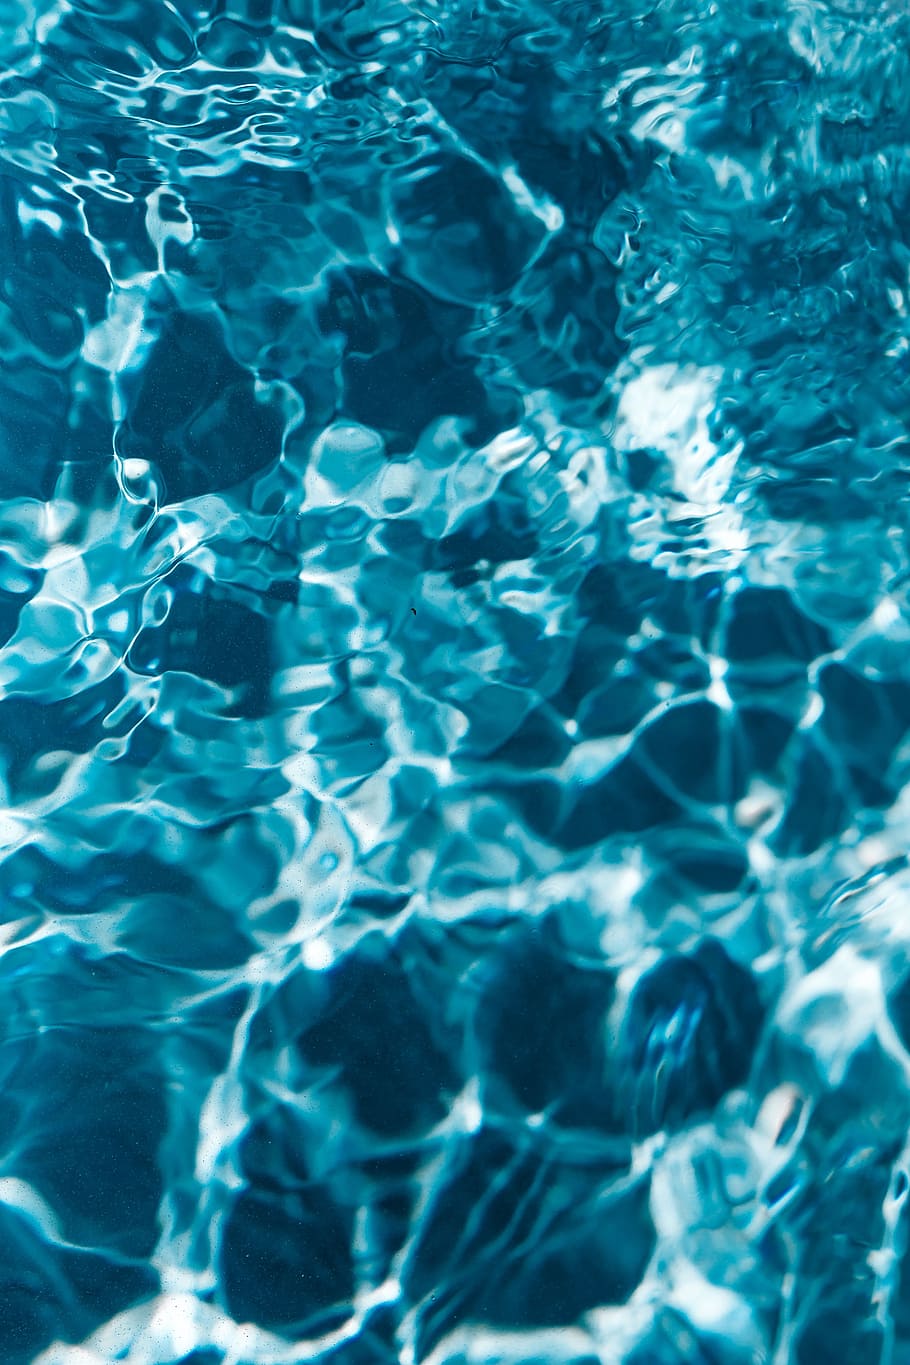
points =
(455, 682)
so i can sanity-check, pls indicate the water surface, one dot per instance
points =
(454, 683)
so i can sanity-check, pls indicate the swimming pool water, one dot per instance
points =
(454, 682)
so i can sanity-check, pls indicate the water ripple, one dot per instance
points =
(453, 683)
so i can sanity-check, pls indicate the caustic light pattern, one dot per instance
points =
(454, 682)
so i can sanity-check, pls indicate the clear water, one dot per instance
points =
(455, 682)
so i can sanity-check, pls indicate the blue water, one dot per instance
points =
(454, 682)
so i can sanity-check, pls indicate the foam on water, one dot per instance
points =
(454, 684)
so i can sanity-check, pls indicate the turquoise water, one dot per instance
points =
(454, 682)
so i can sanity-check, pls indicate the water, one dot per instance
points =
(454, 684)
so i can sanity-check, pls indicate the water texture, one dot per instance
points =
(455, 682)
